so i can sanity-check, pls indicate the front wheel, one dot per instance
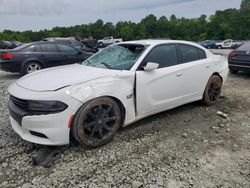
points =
(213, 90)
(219, 47)
(31, 67)
(96, 122)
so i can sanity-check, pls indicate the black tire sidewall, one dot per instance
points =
(78, 128)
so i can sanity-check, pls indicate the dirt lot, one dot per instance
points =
(190, 146)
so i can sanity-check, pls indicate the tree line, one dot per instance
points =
(230, 23)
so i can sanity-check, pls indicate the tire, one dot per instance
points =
(213, 90)
(233, 71)
(96, 122)
(31, 67)
(219, 47)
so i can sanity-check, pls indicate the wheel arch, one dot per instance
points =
(24, 63)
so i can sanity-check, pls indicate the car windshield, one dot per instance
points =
(118, 57)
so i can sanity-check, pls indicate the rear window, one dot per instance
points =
(191, 53)
(245, 47)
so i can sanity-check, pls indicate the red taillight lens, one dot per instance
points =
(232, 54)
(7, 56)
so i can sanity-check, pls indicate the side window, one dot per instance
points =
(67, 49)
(202, 54)
(164, 55)
(48, 48)
(188, 53)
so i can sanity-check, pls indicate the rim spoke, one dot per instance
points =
(105, 126)
(108, 119)
(100, 133)
(93, 131)
(108, 110)
(90, 125)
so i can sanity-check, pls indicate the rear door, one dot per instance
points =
(69, 54)
(196, 71)
(49, 55)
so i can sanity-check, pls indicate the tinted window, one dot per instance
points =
(32, 48)
(189, 53)
(67, 49)
(48, 48)
(164, 55)
(202, 54)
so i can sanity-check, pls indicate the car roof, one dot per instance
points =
(158, 41)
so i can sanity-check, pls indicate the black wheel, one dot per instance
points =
(233, 71)
(213, 90)
(31, 67)
(96, 122)
(219, 47)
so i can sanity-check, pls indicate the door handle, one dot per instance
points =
(179, 74)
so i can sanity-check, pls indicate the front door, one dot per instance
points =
(158, 89)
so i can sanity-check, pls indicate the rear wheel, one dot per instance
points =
(101, 44)
(219, 47)
(31, 67)
(96, 122)
(213, 90)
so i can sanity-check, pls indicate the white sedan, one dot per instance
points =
(121, 84)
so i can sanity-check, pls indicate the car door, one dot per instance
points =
(49, 54)
(196, 70)
(160, 88)
(70, 54)
(227, 43)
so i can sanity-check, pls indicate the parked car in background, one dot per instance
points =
(74, 43)
(91, 43)
(209, 44)
(115, 87)
(4, 44)
(229, 43)
(32, 57)
(108, 40)
(14, 44)
(239, 59)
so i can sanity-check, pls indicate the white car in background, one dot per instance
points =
(108, 40)
(229, 43)
(116, 87)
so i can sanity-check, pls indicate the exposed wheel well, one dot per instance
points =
(217, 74)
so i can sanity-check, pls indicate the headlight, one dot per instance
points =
(46, 107)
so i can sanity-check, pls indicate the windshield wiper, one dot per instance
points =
(107, 65)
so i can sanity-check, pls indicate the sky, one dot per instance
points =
(20, 15)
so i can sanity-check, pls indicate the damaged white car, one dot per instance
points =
(116, 87)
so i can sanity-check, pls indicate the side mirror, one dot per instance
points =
(151, 66)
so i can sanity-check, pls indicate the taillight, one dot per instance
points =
(7, 56)
(232, 54)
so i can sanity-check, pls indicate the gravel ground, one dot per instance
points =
(190, 146)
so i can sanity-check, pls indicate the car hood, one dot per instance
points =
(59, 77)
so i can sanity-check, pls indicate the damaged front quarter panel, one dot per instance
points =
(119, 86)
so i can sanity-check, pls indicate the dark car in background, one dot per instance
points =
(32, 57)
(209, 44)
(239, 59)
(9, 44)
(74, 43)
(4, 44)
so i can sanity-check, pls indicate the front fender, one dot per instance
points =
(119, 87)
